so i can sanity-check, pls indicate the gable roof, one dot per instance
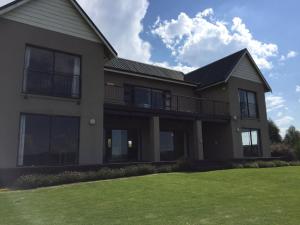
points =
(220, 71)
(17, 3)
(126, 65)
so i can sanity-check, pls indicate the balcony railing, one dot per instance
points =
(51, 84)
(115, 95)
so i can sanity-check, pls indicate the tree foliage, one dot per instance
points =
(274, 133)
(292, 136)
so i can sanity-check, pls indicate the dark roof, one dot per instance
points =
(99, 33)
(126, 65)
(215, 72)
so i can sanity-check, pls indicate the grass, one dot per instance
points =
(232, 197)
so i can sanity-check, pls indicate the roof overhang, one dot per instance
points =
(151, 77)
(111, 51)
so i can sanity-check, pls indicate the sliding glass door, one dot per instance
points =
(121, 145)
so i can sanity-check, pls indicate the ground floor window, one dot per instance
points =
(251, 142)
(48, 140)
(121, 145)
(167, 148)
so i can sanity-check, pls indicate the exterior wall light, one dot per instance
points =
(92, 122)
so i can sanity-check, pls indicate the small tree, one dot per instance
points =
(274, 133)
(292, 136)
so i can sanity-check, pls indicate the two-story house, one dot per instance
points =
(67, 99)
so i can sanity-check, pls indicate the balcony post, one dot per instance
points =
(198, 140)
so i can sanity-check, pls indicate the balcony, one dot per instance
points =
(179, 105)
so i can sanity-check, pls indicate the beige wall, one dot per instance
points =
(13, 39)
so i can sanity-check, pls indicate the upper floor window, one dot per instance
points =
(248, 104)
(51, 73)
(147, 98)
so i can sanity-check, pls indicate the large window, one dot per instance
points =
(121, 145)
(51, 73)
(48, 140)
(147, 97)
(248, 104)
(167, 149)
(251, 142)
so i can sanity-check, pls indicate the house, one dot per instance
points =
(68, 99)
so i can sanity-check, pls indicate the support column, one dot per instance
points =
(154, 139)
(198, 140)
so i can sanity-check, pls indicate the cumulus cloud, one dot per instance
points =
(275, 102)
(199, 40)
(289, 55)
(284, 123)
(121, 23)
(298, 88)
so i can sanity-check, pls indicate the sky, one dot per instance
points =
(185, 35)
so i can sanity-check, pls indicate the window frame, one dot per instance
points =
(49, 147)
(53, 51)
(247, 103)
(259, 144)
(165, 93)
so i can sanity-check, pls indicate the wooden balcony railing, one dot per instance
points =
(115, 95)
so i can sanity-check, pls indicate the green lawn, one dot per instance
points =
(230, 197)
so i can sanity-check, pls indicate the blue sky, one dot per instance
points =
(187, 34)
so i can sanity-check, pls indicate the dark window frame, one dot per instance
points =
(259, 145)
(248, 116)
(53, 51)
(167, 96)
(50, 128)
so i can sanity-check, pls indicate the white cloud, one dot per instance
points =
(280, 114)
(3, 2)
(199, 40)
(289, 55)
(178, 67)
(121, 23)
(274, 102)
(298, 88)
(284, 123)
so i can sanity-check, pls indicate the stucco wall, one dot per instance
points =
(261, 122)
(13, 39)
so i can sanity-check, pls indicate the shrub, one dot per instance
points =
(280, 163)
(184, 165)
(166, 169)
(265, 164)
(144, 169)
(251, 165)
(295, 163)
(284, 151)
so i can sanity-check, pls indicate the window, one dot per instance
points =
(48, 140)
(167, 150)
(147, 98)
(248, 104)
(51, 73)
(251, 142)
